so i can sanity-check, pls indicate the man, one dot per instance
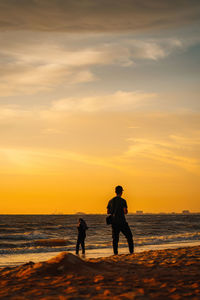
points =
(117, 207)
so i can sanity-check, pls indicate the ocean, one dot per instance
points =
(36, 238)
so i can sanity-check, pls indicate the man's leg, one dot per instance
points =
(125, 229)
(115, 236)
(83, 245)
(77, 245)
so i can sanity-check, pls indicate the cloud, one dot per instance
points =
(110, 129)
(180, 151)
(13, 112)
(143, 152)
(33, 63)
(155, 49)
(119, 101)
(20, 78)
(26, 161)
(95, 15)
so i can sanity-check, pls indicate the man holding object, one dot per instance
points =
(117, 207)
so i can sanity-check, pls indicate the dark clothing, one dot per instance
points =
(82, 227)
(116, 209)
(80, 241)
(125, 229)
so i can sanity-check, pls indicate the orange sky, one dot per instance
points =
(91, 98)
(153, 170)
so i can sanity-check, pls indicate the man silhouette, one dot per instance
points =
(117, 207)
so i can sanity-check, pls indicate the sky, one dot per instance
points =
(95, 94)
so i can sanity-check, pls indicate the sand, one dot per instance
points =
(160, 274)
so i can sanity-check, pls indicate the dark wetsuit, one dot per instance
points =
(82, 227)
(116, 209)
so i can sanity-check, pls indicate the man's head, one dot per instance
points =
(119, 190)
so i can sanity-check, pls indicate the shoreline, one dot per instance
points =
(154, 274)
(11, 260)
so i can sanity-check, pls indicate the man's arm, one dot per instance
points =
(125, 208)
(109, 208)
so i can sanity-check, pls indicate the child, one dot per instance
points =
(82, 227)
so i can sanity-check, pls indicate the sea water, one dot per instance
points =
(36, 238)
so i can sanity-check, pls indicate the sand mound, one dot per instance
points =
(63, 263)
(66, 261)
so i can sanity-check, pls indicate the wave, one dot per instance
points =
(26, 236)
(37, 244)
(33, 250)
(52, 242)
(175, 238)
(151, 240)
(6, 230)
(9, 245)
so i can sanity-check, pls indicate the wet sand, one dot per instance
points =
(158, 274)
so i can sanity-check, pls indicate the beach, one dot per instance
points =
(155, 274)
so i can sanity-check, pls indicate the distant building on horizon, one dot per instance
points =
(139, 212)
(185, 212)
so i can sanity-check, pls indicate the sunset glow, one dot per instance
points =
(95, 95)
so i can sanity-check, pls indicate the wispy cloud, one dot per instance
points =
(145, 151)
(33, 66)
(123, 138)
(13, 112)
(26, 161)
(180, 151)
(28, 79)
(119, 101)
